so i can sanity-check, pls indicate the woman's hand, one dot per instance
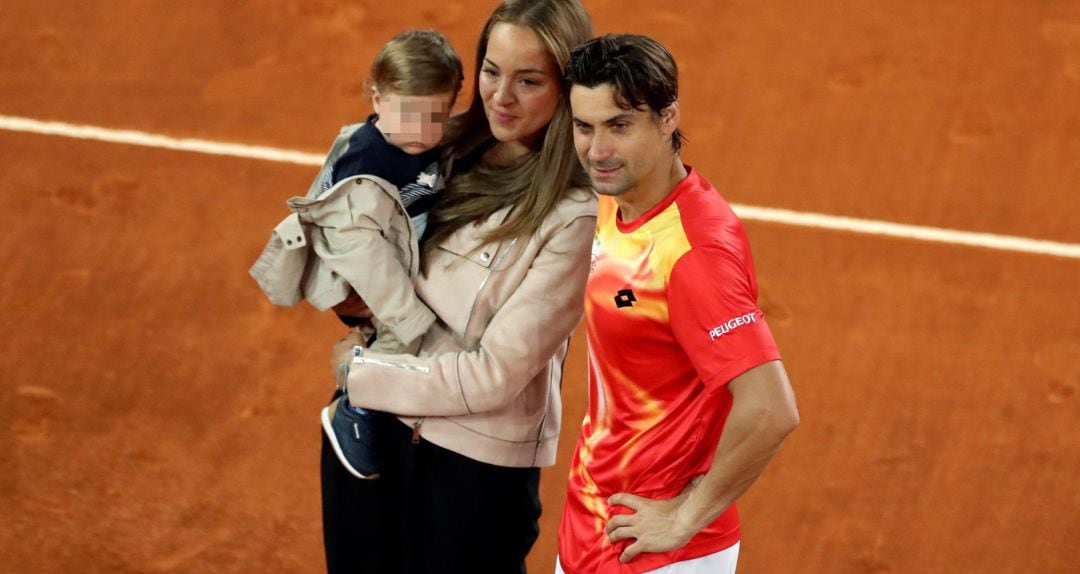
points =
(342, 354)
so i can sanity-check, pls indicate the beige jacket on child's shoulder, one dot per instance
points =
(356, 236)
(488, 379)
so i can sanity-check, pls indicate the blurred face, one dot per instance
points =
(622, 150)
(412, 123)
(519, 84)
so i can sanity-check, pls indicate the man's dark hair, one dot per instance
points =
(641, 72)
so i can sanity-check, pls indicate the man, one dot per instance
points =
(688, 399)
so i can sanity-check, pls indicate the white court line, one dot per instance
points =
(157, 141)
(918, 232)
(747, 212)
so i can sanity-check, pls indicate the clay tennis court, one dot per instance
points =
(159, 415)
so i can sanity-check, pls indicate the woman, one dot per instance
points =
(506, 258)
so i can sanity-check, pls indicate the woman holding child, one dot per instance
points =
(504, 263)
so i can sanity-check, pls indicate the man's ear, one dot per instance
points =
(669, 119)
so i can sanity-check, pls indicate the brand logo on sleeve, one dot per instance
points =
(732, 324)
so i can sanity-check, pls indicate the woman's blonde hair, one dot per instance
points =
(535, 183)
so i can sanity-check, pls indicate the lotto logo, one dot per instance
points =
(732, 324)
(625, 298)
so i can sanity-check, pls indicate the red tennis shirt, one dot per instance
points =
(672, 316)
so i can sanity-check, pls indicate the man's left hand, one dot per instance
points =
(653, 524)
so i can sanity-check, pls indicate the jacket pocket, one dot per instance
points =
(468, 242)
(473, 249)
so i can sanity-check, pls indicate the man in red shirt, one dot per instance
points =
(688, 399)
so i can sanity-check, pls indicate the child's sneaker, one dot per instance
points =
(352, 435)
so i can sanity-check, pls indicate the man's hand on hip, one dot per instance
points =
(653, 525)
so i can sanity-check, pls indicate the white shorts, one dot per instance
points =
(722, 562)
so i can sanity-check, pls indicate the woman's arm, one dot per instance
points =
(519, 340)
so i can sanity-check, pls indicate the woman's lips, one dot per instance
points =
(502, 117)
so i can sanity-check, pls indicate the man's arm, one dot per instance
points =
(763, 412)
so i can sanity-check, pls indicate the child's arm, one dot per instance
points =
(353, 311)
(362, 254)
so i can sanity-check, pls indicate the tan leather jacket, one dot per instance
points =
(488, 379)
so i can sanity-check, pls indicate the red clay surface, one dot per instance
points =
(158, 415)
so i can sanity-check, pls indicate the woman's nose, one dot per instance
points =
(503, 92)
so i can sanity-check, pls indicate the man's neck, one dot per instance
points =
(651, 192)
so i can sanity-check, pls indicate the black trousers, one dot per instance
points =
(431, 511)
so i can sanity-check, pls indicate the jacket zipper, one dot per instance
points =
(382, 363)
(480, 289)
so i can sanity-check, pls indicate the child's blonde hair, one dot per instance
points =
(417, 63)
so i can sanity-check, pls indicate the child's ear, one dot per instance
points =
(376, 99)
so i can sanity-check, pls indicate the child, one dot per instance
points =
(363, 216)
